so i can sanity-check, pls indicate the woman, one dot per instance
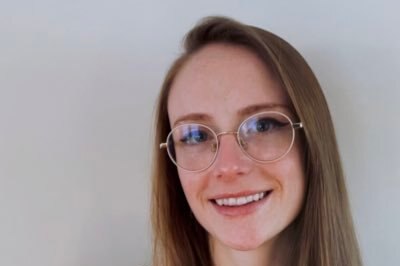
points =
(246, 167)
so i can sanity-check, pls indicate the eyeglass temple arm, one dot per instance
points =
(298, 125)
(163, 145)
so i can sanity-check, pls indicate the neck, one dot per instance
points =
(274, 252)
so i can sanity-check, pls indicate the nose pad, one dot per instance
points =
(214, 147)
(243, 144)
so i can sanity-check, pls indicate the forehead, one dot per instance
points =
(220, 80)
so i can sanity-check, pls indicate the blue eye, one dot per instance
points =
(194, 137)
(265, 124)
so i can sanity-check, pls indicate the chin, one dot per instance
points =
(243, 247)
(243, 244)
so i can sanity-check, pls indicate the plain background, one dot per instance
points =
(78, 82)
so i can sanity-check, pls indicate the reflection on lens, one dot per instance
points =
(268, 136)
(192, 146)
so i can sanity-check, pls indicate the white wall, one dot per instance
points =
(78, 81)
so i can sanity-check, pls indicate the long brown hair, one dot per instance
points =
(324, 233)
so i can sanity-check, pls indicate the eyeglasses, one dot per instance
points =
(264, 137)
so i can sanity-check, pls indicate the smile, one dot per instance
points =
(240, 201)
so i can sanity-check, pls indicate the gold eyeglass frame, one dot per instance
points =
(294, 126)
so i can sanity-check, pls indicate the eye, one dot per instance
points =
(264, 124)
(194, 136)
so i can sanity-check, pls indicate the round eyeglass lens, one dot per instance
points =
(192, 146)
(266, 136)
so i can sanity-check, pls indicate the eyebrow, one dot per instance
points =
(193, 117)
(251, 109)
(248, 110)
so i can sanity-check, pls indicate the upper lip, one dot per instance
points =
(238, 194)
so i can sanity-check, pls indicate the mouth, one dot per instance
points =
(240, 205)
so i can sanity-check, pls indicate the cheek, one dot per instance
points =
(293, 193)
(292, 180)
(289, 180)
(193, 186)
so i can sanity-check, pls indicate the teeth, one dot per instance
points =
(231, 201)
(240, 200)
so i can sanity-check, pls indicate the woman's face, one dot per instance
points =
(220, 86)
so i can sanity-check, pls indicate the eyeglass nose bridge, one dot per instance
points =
(241, 143)
(227, 133)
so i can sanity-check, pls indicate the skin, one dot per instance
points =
(219, 86)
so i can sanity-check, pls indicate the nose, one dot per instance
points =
(230, 162)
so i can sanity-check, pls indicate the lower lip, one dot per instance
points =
(234, 211)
